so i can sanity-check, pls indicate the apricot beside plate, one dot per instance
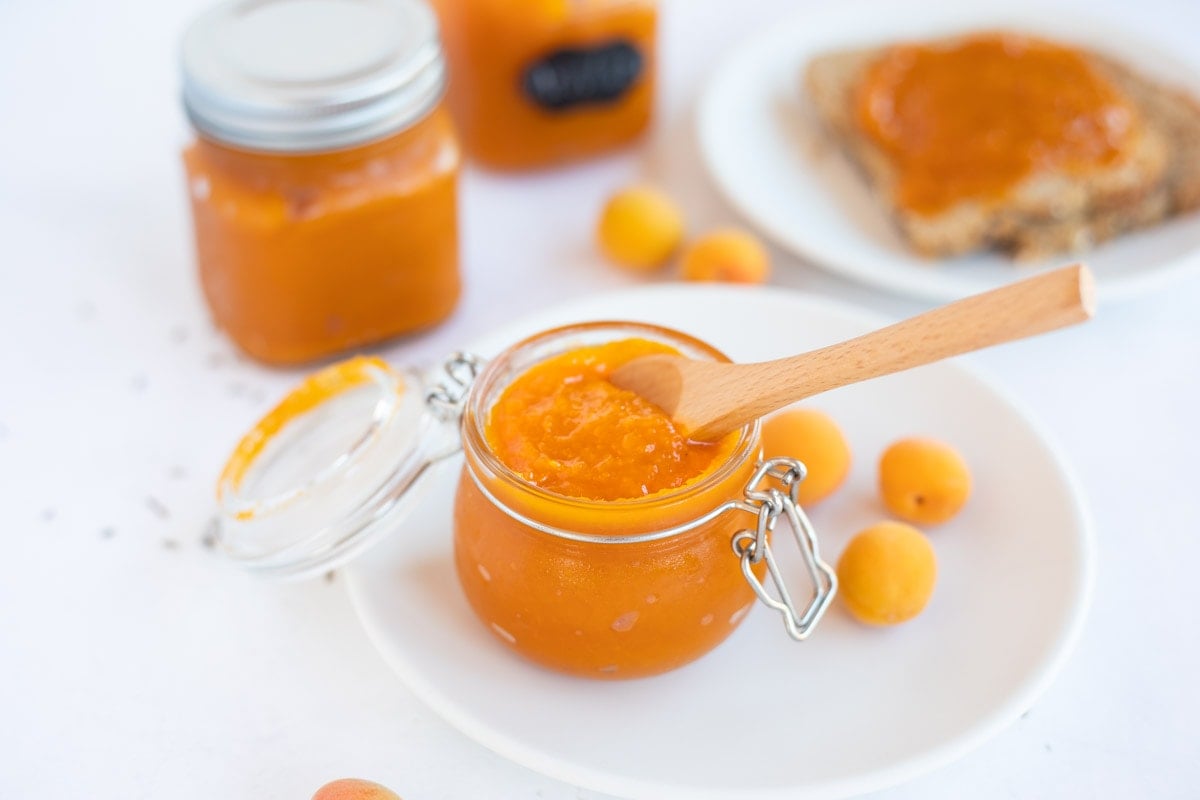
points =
(886, 574)
(815, 439)
(923, 480)
(354, 789)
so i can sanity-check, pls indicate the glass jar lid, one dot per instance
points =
(294, 76)
(330, 469)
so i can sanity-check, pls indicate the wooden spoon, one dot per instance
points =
(710, 399)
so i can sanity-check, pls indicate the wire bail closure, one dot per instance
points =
(447, 397)
(753, 547)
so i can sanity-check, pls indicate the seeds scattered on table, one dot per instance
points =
(157, 508)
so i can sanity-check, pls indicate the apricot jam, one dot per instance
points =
(304, 256)
(542, 82)
(562, 426)
(323, 176)
(579, 531)
(970, 119)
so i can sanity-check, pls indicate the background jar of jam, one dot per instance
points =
(323, 176)
(541, 82)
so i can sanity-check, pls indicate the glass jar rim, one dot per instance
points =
(320, 477)
(475, 445)
(317, 389)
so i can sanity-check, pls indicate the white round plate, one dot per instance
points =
(766, 151)
(851, 710)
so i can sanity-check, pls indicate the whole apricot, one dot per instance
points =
(729, 255)
(354, 789)
(886, 574)
(814, 438)
(640, 228)
(923, 480)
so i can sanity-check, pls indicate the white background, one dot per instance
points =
(133, 664)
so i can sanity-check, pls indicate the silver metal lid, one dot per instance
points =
(294, 76)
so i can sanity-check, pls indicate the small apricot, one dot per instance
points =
(640, 228)
(726, 255)
(814, 438)
(354, 789)
(923, 480)
(886, 574)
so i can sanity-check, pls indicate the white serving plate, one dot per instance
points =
(852, 710)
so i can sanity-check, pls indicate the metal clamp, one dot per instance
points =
(447, 397)
(754, 547)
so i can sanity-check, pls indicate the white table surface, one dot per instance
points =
(134, 665)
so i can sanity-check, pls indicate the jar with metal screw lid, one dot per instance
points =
(323, 176)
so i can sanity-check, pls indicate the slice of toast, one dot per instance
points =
(1047, 212)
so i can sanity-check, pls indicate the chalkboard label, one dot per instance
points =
(574, 77)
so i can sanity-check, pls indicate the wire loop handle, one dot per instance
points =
(446, 398)
(753, 547)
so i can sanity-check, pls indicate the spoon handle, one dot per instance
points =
(1035, 305)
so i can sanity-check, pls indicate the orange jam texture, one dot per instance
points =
(562, 426)
(491, 43)
(969, 120)
(302, 256)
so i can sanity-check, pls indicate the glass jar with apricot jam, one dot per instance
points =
(323, 176)
(540, 82)
(590, 534)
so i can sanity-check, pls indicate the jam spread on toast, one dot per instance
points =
(969, 120)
